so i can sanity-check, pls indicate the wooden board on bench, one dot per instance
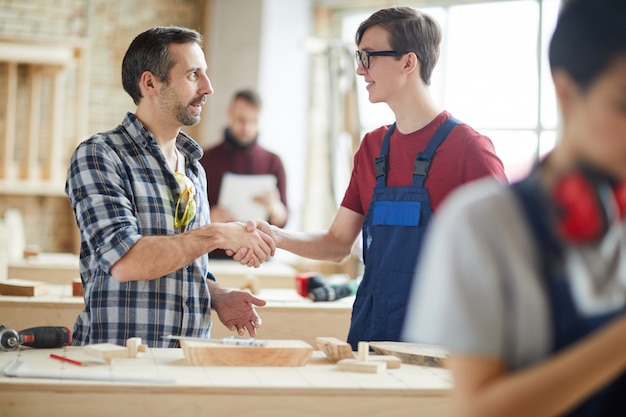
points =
(23, 287)
(274, 353)
(413, 353)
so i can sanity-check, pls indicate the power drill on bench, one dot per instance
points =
(317, 288)
(37, 337)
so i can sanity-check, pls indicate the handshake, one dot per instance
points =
(318, 288)
(250, 243)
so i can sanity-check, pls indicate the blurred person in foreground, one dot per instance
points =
(526, 285)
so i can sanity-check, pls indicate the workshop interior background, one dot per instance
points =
(65, 87)
(60, 83)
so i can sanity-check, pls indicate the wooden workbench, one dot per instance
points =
(170, 386)
(286, 315)
(53, 268)
(62, 268)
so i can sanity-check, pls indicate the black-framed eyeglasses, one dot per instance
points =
(363, 57)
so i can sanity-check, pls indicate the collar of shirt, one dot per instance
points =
(142, 136)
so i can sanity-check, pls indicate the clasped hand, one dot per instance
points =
(255, 244)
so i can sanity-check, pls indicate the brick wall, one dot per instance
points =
(44, 18)
(113, 25)
(108, 26)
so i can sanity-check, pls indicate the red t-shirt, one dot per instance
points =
(464, 156)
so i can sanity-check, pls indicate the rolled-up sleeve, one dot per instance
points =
(97, 190)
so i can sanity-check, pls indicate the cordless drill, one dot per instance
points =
(37, 337)
(307, 282)
(317, 288)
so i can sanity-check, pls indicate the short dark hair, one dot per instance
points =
(409, 31)
(149, 51)
(589, 36)
(249, 96)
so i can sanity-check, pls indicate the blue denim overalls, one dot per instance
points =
(569, 326)
(393, 230)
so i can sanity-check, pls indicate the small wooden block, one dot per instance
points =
(133, 346)
(363, 352)
(23, 287)
(391, 361)
(355, 365)
(77, 287)
(106, 351)
(31, 251)
(334, 349)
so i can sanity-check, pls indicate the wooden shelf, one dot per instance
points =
(44, 109)
(42, 80)
(24, 53)
(32, 188)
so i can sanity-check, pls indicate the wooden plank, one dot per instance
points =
(107, 351)
(30, 164)
(77, 287)
(35, 54)
(413, 353)
(53, 268)
(392, 362)
(22, 287)
(275, 353)
(362, 362)
(81, 102)
(7, 162)
(52, 165)
(4, 250)
(334, 349)
(355, 365)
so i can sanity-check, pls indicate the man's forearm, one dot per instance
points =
(215, 290)
(316, 245)
(155, 256)
(278, 215)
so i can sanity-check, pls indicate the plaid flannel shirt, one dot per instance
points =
(121, 188)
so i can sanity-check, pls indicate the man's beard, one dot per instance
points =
(185, 117)
(180, 111)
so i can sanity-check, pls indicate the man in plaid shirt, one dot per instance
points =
(139, 197)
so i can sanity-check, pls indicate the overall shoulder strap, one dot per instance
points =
(381, 162)
(422, 161)
(536, 208)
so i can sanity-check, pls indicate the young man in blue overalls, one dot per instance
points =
(526, 285)
(401, 172)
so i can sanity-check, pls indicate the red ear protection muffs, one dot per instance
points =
(587, 202)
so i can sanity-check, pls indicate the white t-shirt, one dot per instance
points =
(479, 290)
